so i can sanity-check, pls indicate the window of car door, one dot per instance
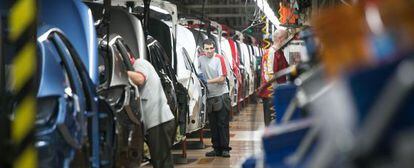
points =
(189, 64)
(159, 57)
(87, 87)
(116, 93)
(153, 55)
(75, 91)
(68, 66)
(186, 62)
(126, 54)
(104, 66)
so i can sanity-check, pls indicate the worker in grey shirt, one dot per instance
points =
(213, 66)
(158, 119)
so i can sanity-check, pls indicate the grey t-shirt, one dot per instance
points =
(212, 68)
(154, 103)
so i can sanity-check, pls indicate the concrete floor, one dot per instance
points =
(245, 139)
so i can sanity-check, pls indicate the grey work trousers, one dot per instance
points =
(160, 140)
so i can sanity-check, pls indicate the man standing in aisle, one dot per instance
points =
(158, 119)
(212, 65)
(273, 61)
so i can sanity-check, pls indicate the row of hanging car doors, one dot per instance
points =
(241, 62)
(185, 93)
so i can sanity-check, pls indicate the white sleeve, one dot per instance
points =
(141, 67)
(269, 65)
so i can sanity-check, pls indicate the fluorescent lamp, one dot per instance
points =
(265, 8)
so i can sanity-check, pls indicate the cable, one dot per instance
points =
(199, 32)
(146, 17)
(253, 24)
(250, 27)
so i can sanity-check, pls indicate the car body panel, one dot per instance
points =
(63, 130)
(187, 75)
(77, 25)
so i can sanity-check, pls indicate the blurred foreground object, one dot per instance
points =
(368, 33)
(18, 71)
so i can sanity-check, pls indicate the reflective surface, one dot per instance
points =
(245, 139)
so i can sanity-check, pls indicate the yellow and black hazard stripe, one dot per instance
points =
(265, 30)
(21, 35)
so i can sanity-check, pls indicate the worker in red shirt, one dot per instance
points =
(272, 62)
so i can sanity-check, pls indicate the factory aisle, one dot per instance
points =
(245, 139)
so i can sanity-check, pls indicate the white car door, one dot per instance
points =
(226, 52)
(187, 76)
(246, 57)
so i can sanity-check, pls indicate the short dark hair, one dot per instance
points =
(208, 42)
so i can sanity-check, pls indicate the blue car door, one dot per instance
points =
(61, 118)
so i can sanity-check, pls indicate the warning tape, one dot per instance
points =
(22, 30)
(266, 32)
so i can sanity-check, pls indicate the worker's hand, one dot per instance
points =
(131, 74)
(263, 86)
(259, 89)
